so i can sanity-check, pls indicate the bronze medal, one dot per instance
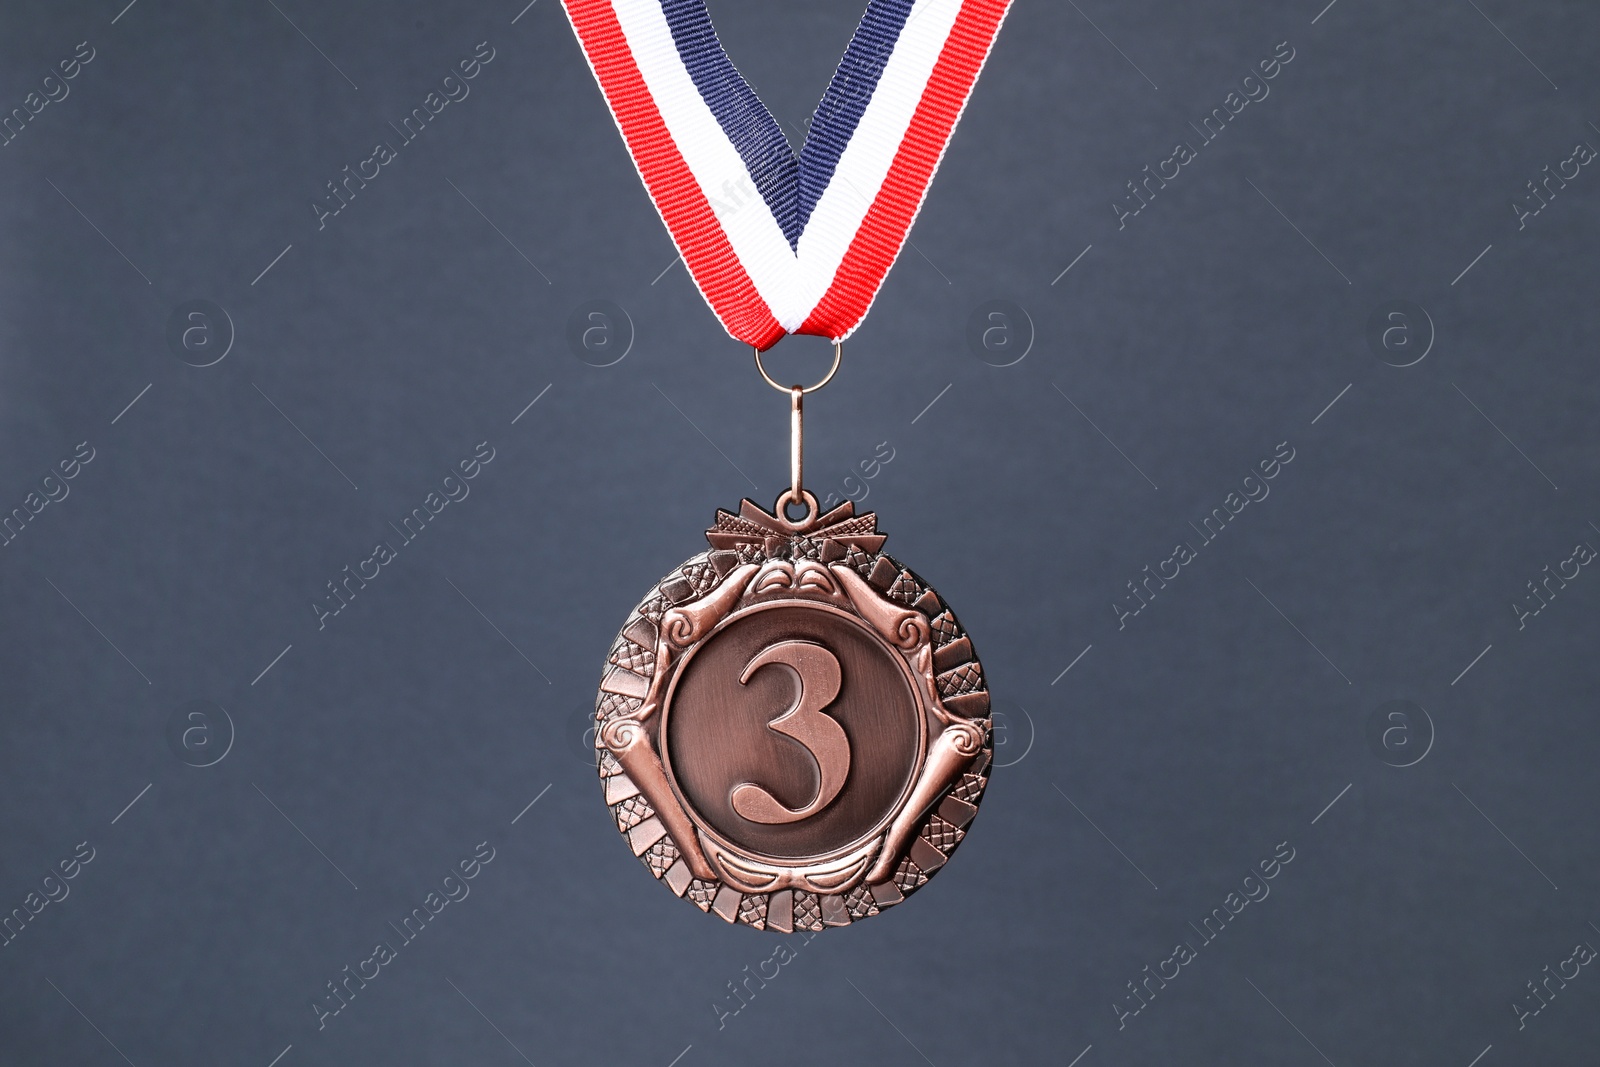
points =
(792, 727)
(793, 730)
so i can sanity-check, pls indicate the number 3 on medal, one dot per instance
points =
(816, 683)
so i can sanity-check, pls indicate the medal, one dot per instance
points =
(792, 728)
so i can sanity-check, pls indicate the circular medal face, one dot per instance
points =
(793, 729)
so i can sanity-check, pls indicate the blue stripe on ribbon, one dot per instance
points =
(743, 117)
(790, 187)
(848, 93)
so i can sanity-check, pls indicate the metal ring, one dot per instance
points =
(807, 499)
(838, 356)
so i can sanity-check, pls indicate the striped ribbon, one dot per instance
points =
(779, 244)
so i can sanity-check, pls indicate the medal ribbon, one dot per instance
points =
(779, 244)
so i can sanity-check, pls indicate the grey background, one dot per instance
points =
(1145, 781)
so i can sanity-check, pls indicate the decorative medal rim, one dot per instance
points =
(698, 818)
(926, 827)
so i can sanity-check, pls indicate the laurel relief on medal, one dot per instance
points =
(792, 728)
